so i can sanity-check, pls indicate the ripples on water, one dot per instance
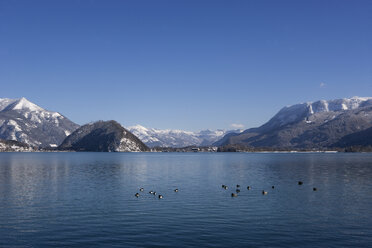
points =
(87, 200)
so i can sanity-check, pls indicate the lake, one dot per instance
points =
(88, 200)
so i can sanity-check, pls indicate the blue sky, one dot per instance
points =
(183, 64)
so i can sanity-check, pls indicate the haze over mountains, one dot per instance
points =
(313, 125)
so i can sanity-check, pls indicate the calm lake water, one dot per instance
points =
(87, 200)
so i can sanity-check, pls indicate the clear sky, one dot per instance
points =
(183, 64)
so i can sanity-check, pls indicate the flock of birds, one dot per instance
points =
(223, 186)
(152, 192)
(249, 188)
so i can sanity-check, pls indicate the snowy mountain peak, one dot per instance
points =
(18, 104)
(24, 104)
(339, 104)
(24, 121)
(139, 128)
(304, 111)
(327, 106)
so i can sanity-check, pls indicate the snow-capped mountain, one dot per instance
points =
(177, 138)
(309, 110)
(312, 124)
(24, 121)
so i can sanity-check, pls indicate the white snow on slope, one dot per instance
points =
(20, 118)
(24, 104)
(292, 113)
(176, 138)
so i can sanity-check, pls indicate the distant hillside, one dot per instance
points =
(177, 138)
(103, 136)
(308, 125)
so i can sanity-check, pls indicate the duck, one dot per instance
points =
(315, 189)
(234, 195)
(141, 189)
(300, 182)
(160, 197)
(151, 192)
(237, 190)
(238, 186)
(225, 187)
(249, 187)
(176, 190)
(137, 195)
(272, 187)
(264, 192)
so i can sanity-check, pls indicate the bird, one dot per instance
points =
(249, 187)
(315, 189)
(225, 187)
(300, 182)
(160, 197)
(272, 187)
(176, 190)
(137, 195)
(151, 192)
(264, 192)
(237, 190)
(234, 195)
(238, 186)
(141, 189)
(154, 193)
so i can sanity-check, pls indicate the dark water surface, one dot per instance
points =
(87, 200)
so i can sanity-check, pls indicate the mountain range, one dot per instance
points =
(25, 126)
(177, 138)
(317, 124)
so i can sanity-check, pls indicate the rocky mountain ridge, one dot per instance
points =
(308, 125)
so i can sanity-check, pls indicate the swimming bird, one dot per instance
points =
(141, 189)
(234, 195)
(160, 197)
(137, 195)
(151, 192)
(237, 190)
(176, 190)
(264, 192)
(154, 193)
(300, 182)
(272, 187)
(315, 189)
(225, 187)
(238, 186)
(249, 187)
